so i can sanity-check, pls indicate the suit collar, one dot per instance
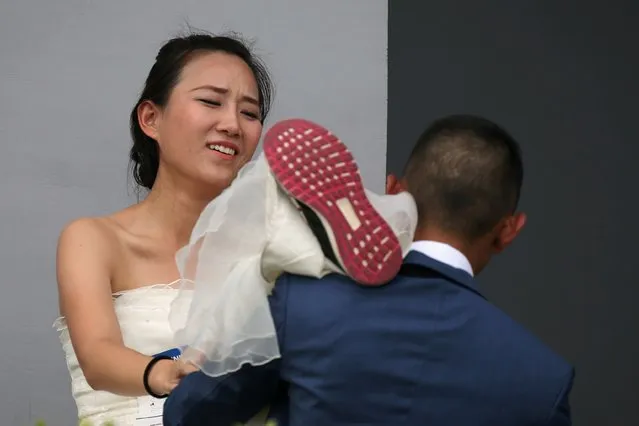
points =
(443, 253)
(420, 260)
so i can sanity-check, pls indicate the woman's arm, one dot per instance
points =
(85, 261)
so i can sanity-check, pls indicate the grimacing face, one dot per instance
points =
(211, 124)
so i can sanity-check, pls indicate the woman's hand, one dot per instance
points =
(185, 368)
(166, 374)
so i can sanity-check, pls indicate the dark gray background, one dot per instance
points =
(563, 79)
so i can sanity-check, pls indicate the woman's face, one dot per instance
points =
(211, 125)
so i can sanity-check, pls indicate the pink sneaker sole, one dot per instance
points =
(318, 172)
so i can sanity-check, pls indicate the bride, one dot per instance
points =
(127, 315)
(197, 122)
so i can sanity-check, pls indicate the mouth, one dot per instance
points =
(226, 150)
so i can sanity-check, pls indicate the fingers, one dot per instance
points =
(185, 368)
(193, 356)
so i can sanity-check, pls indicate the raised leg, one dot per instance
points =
(321, 176)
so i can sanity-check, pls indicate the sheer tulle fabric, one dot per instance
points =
(221, 316)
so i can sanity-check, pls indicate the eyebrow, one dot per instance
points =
(223, 91)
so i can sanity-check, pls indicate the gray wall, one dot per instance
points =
(70, 70)
(562, 77)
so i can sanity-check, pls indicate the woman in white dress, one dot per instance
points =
(197, 122)
(127, 310)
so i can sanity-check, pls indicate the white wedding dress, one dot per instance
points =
(143, 315)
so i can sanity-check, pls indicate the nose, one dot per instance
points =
(229, 122)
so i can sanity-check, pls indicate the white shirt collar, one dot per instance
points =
(443, 253)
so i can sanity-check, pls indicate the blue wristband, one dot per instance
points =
(174, 353)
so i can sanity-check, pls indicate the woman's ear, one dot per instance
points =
(149, 119)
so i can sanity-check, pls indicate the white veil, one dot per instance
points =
(221, 315)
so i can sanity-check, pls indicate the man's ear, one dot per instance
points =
(393, 185)
(510, 228)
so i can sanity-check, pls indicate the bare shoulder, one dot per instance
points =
(87, 232)
(87, 237)
(85, 257)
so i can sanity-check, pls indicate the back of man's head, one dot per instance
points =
(465, 174)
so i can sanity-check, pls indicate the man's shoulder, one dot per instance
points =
(491, 328)
(325, 281)
(520, 344)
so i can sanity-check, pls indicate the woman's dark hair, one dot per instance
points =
(164, 75)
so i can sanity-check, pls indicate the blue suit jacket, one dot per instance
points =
(425, 349)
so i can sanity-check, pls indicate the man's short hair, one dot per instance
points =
(465, 174)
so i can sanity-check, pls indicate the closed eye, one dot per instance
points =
(210, 102)
(251, 115)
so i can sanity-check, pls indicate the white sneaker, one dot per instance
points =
(316, 170)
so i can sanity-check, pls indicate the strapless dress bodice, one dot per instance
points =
(143, 315)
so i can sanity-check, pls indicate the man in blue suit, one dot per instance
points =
(425, 349)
